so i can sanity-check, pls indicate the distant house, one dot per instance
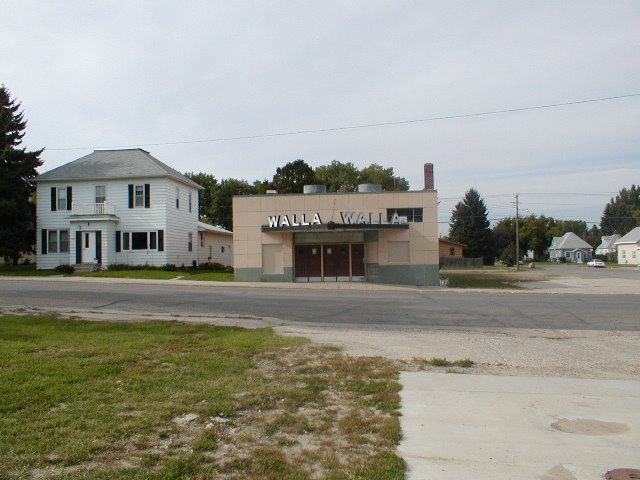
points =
(570, 247)
(116, 206)
(629, 248)
(607, 244)
(450, 249)
(215, 244)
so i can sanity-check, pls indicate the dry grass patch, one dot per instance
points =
(163, 400)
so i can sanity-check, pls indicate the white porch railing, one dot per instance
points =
(93, 209)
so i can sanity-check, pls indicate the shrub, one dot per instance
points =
(64, 269)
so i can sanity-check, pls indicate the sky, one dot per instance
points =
(170, 76)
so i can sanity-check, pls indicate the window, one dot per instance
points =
(64, 241)
(414, 215)
(452, 251)
(567, 254)
(139, 240)
(139, 202)
(633, 254)
(190, 242)
(177, 197)
(62, 199)
(101, 195)
(189, 201)
(222, 249)
(202, 239)
(86, 240)
(53, 241)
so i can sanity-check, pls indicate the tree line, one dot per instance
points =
(469, 225)
(216, 196)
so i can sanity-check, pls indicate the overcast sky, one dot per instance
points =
(98, 74)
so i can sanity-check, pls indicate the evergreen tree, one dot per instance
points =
(469, 225)
(622, 213)
(17, 190)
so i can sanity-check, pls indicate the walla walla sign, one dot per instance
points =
(348, 218)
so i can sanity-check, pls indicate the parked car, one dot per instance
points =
(596, 263)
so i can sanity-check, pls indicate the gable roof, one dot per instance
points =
(608, 241)
(205, 227)
(632, 237)
(115, 164)
(569, 241)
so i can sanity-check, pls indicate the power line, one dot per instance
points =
(360, 126)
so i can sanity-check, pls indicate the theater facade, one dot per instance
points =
(365, 236)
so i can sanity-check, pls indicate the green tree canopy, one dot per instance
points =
(223, 204)
(622, 213)
(469, 225)
(206, 196)
(17, 170)
(338, 176)
(375, 173)
(293, 176)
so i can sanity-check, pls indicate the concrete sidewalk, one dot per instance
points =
(507, 428)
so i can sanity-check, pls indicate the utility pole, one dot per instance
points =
(517, 236)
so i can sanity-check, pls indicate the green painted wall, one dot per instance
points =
(255, 275)
(422, 275)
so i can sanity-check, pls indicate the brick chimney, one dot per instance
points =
(428, 176)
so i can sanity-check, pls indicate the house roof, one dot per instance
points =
(115, 164)
(632, 237)
(205, 227)
(608, 241)
(569, 241)
(450, 242)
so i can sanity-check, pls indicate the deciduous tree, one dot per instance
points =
(293, 176)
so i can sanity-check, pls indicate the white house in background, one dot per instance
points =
(570, 247)
(116, 206)
(629, 248)
(215, 244)
(607, 244)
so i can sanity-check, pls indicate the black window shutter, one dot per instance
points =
(161, 240)
(118, 240)
(54, 199)
(43, 239)
(99, 246)
(147, 195)
(78, 247)
(69, 198)
(130, 195)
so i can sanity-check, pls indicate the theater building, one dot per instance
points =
(365, 236)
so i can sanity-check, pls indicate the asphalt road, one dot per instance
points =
(420, 308)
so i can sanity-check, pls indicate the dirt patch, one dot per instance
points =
(588, 426)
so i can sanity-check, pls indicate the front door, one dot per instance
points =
(308, 263)
(336, 263)
(357, 262)
(89, 247)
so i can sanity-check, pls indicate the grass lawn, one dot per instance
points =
(209, 275)
(492, 278)
(26, 271)
(164, 400)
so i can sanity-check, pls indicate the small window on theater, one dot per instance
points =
(413, 215)
(139, 240)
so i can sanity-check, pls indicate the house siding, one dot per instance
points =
(160, 215)
(213, 242)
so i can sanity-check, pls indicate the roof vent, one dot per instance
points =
(314, 189)
(369, 187)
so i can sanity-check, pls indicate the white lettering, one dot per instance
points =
(361, 218)
(348, 217)
(293, 221)
(285, 221)
(273, 221)
(395, 218)
(316, 219)
(304, 220)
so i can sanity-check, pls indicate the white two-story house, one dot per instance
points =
(116, 206)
